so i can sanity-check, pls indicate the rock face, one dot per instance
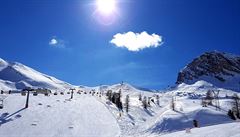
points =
(219, 68)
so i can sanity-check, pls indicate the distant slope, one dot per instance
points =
(221, 130)
(18, 76)
(124, 87)
(218, 68)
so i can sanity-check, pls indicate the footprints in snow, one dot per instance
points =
(35, 122)
(70, 126)
(48, 106)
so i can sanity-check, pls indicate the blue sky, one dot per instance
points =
(83, 53)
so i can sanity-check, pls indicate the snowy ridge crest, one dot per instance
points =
(14, 75)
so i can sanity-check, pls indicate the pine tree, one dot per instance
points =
(127, 103)
(216, 99)
(149, 101)
(158, 101)
(144, 102)
(140, 97)
(231, 115)
(173, 105)
(209, 96)
(236, 105)
(109, 95)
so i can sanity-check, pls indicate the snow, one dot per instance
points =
(180, 120)
(232, 82)
(6, 85)
(3, 64)
(21, 76)
(159, 120)
(221, 130)
(88, 115)
(56, 116)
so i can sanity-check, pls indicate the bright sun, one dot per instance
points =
(106, 7)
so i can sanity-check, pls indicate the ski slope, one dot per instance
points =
(56, 116)
(88, 115)
(160, 120)
(221, 130)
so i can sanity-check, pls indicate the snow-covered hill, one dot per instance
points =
(89, 114)
(18, 76)
(221, 130)
(218, 68)
(125, 88)
(160, 119)
(92, 113)
(56, 116)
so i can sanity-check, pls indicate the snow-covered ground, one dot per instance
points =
(56, 116)
(221, 130)
(93, 116)
(88, 115)
(161, 120)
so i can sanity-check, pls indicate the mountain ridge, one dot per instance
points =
(15, 75)
(218, 68)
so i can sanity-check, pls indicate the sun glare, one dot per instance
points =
(106, 7)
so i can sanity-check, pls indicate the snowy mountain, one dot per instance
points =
(218, 68)
(95, 114)
(18, 76)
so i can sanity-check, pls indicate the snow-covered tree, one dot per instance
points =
(236, 105)
(149, 101)
(173, 105)
(144, 102)
(109, 95)
(116, 99)
(209, 96)
(127, 103)
(216, 99)
(158, 100)
(140, 97)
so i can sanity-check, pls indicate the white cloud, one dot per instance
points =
(136, 41)
(53, 42)
(57, 42)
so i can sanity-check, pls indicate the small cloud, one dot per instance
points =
(53, 42)
(57, 42)
(136, 41)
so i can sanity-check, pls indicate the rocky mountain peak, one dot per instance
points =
(214, 67)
